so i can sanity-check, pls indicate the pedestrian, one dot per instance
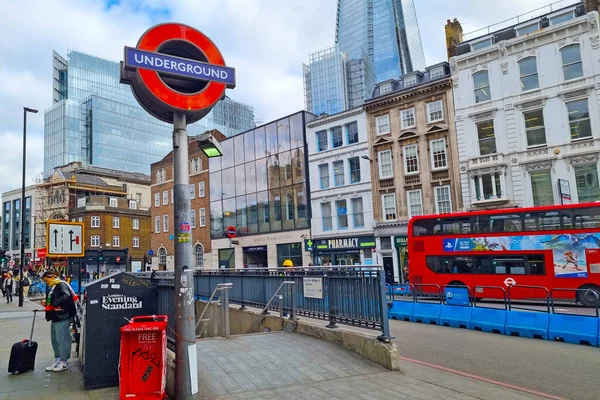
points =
(26, 282)
(8, 286)
(60, 308)
(2, 278)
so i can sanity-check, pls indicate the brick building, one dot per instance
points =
(116, 232)
(413, 150)
(162, 218)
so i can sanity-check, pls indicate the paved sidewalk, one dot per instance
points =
(260, 366)
(15, 325)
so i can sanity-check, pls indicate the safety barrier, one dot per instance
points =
(550, 317)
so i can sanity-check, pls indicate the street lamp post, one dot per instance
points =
(22, 210)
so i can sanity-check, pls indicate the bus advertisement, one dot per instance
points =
(552, 246)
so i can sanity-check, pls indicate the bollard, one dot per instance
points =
(294, 316)
(280, 297)
(225, 328)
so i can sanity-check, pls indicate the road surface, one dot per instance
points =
(565, 370)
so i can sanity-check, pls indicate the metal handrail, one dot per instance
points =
(259, 316)
(219, 287)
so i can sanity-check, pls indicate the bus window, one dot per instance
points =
(506, 223)
(550, 220)
(424, 227)
(456, 226)
(531, 222)
(526, 264)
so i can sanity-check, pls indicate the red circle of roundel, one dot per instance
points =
(231, 232)
(151, 41)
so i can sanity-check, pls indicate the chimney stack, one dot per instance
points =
(454, 36)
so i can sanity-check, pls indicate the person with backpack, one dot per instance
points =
(60, 308)
(26, 282)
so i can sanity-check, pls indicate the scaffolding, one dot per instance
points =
(57, 194)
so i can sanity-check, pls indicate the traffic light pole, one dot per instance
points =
(186, 375)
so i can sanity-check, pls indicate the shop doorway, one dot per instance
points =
(226, 258)
(388, 267)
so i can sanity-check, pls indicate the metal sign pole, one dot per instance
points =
(185, 332)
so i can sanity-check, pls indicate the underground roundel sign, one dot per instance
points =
(176, 68)
(231, 232)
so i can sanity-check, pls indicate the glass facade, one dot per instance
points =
(260, 185)
(325, 82)
(96, 120)
(386, 30)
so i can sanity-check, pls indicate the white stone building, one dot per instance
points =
(340, 190)
(527, 105)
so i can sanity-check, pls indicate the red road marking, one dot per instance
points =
(481, 378)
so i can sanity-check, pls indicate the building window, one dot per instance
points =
(116, 222)
(354, 163)
(481, 85)
(326, 215)
(195, 165)
(385, 88)
(342, 213)
(481, 44)
(436, 72)
(443, 203)
(132, 205)
(411, 159)
(193, 218)
(160, 176)
(488, 186)
(80, 219)
(358, 217)
(192, 191)
(410, 80)
(486, 137)
(199, 255)
(438, 154)
(541, 188)
(162, 256)
(338, 137)
(157, 224)
(165, 198)
(527, 29)
(338, 173)
(95, 241)
(385, 164)
(112, 202)
(95, 222)
(529, 75)
(579, 119)
(383, 124)
(156, 199)
(389, 206)
(435, 111)
(116, 242)
(135, 224)
(165, 223)
(201, 190)
(415, 203)
(571, 62)
(321, 140)
(138, 198)
(408, 118)
(586, 178)
(534, 128)
(324, 175)
(352, 133)
(81, 202)
(136, 241)
(172, 196)
(558, 19)
(203, 217)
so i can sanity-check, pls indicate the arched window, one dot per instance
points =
(199, 255)
(481, 85)
(528, 73)
(162, 256)
(571, 62)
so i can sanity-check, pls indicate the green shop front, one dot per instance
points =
(357, 250)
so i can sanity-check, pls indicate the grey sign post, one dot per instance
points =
(178, 75)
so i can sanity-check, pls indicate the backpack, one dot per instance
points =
(26, 281)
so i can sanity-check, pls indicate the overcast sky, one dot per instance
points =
(265, 40)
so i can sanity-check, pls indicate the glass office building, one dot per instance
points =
(260, 187)
(96, 120)
(375, 40)
(386, 30)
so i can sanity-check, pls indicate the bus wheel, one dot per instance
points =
(590, 297)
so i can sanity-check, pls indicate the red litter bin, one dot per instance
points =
(143, 364)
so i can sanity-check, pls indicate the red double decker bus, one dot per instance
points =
(550, 246)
